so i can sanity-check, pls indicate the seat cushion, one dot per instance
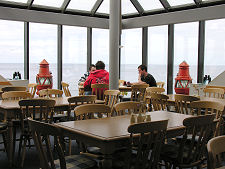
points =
(3, 126)
(77, 162)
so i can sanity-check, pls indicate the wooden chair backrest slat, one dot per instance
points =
(14, 88)
(147, 138)
(99, 89)
(52, 93)
(16, 95)
(111, 98)
(159, 101)
(66, 90)
(160, 84)
(214, 92)
(123, 108)
(32, 87)
(138, 92)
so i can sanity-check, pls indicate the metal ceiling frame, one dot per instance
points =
(138, 6)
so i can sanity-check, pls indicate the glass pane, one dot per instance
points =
(85, 5)
(12, 48)
(131, 54)
(104, 7)
(127, 7)
(186, 48)
(55, 3)
(180, 2)
(74, 56)
(100, 46)
(214, 47)
(21, 1)
(43, 45)
(154, 4)
(157, 52)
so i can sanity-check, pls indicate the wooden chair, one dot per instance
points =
(32, 88)
(160, 84)
(182, 103)
(159, 101)
(14, 88)
(88, 111)
(214, 92)
(189, 152)
(138, 92)
(99, 89)
(66, 90)
(79, 100)
(37, 109)
(216, 147)
(16, 95)
(52, 93)
(41, 132)
(129, 107)
(121, 82)
(209, 107)
(146, 139)
(111, 98)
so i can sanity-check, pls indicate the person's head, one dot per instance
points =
(92, 68)
(100, 65)
(142, 69)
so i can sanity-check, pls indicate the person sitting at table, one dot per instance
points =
(85, 76)
(144, 77)
(100, 75)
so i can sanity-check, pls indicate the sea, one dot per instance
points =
(73, 72)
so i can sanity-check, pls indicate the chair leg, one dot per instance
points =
(4, 137)
(23, 152)
(70, 146)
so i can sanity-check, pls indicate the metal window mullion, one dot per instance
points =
(26, 50)
(59, 54)
(145, 46)
(89, 47)
(170, 63)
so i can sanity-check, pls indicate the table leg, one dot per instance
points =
(10, 143)
(107, 161)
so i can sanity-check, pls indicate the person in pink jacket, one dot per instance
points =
(100, 75)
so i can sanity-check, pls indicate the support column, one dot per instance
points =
(26, 50)
(59, 58)
(114, 39)
(89, 48)
(145, 46)
(170, 63)
(201, 51)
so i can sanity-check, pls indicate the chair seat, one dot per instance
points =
(3, 126)
(77, 162)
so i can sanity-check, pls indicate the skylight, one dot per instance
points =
(127, 7)
(55, 3)
(21, 1)
(85, 5)
(180, 2)
(150, 4)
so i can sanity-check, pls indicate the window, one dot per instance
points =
(214, 47)
(186, 48)
(12, 48)
(43, 45)
(131, 54)
(74, 56)
(157, 52)
(100, 46)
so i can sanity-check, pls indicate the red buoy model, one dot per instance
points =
(44, 77)
(183, 79)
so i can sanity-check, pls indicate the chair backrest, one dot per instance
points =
(196, 135)
(16, 95)
(146, 138)
(208, 107)
(99, 89)
(138, 92)
(111, 98)
(123, 108)
(160, 84)
(66, 90)
(182, 102)
(159, 101)
(154, 90)
(14, 88)
(215, 147)
(52, 93)
(80, 100)
(121, 82)
(214, 92)
(41, 132)
(88, 111)
(32, 88)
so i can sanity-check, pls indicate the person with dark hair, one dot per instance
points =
(83, 78)
(145, 77)
(100, 75)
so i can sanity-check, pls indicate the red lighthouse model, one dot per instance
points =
(44, 77)
(183, 79)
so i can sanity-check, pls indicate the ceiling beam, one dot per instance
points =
(138, 6)
(29, 3)
(165, 4)
(65, 5)
(96, 6)
(198, 2)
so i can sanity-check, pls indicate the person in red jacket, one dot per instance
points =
(100, 75)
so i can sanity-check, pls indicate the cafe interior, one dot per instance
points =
(121, 124)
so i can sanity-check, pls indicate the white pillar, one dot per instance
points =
(114, 37)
